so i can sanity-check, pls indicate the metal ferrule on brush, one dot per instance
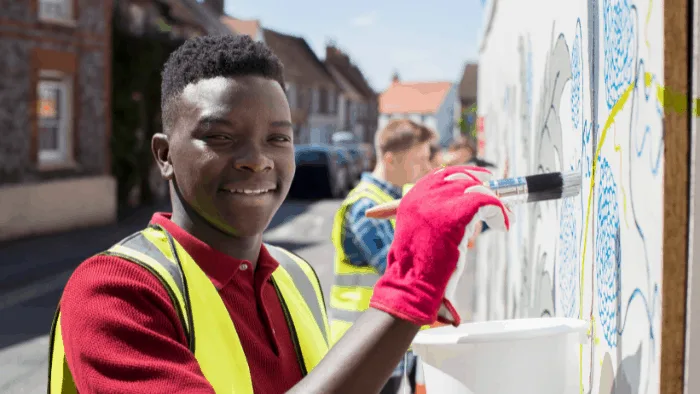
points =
(512, 189)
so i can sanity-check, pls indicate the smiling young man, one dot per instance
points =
(196, 303)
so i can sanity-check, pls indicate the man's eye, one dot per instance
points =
(280, 139)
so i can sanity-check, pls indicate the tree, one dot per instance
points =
(467, 122)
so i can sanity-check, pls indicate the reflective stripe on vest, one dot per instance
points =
(204, 317)
(352, 285)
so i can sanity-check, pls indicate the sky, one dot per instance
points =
(427, 41)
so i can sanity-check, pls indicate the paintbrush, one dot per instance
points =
(523, 189)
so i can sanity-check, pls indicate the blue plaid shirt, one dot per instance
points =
(366, 241)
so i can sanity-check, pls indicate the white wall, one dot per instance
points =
(547, 74)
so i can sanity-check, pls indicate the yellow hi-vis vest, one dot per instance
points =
(352, 285)
(211, 334)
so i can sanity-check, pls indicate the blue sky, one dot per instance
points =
(427, 41)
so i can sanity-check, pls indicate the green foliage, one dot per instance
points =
(136, 65)
(467, 122)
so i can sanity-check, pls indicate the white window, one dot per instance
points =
(315, 100)
(55, 116)
(332, 97)
(292, 95)
(60, 10)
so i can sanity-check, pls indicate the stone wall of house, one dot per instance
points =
(21, 35)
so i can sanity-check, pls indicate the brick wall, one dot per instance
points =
(83, 51)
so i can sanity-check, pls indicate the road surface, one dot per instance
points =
(34, 271)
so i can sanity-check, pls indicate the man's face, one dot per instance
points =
(415, 162)
(231, 151)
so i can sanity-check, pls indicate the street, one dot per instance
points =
(34, 271)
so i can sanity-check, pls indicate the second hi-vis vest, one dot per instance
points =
(211, 334)
(352, 285)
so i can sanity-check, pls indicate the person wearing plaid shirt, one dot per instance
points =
(403, 152)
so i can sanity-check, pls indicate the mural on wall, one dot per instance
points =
(582, 95)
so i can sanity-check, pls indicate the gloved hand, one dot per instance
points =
(433, 223)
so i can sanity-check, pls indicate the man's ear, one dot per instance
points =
(160, 146)
(389, 158)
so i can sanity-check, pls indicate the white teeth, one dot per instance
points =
(247, 191)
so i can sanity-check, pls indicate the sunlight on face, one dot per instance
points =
(415, 162)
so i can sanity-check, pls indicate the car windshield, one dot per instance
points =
(311, 157)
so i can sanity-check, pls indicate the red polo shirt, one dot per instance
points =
(122, 335)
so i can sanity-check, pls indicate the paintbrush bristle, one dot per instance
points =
(571, 183)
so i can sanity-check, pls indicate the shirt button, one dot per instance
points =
(243, 267)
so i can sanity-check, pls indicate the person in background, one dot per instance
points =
(463, 152)
(435, 156)
(362, 244)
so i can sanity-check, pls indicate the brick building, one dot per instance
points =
(55, 116)
(358, 102)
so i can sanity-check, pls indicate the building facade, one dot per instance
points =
(433, 104)
(357, 101)
(55, 116)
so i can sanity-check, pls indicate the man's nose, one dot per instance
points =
(253, 159)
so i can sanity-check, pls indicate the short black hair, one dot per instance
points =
(207, 57)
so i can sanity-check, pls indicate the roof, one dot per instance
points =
(301, 65)
(209, 21)
(467, 87)
(180, 13)
(413, 98)
(240, 26)
(341, 62)
(345, 85)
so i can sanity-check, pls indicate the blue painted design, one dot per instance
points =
(654, 163)
(576, 79)
(568, 265)
(607, 253)
(587, 156)
(618, 33)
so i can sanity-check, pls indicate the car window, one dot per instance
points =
(311, 157)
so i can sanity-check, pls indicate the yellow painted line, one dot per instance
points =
(669, 101)
(611, 119)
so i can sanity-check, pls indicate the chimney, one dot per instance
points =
(395, 78)
(216, 6)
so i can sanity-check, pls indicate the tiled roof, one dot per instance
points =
(341, 62)
(345, 85)
(467, 87)
(240, 26)
(301, 65)
(414, 98)
(208, 20)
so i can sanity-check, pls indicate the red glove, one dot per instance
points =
(433, 222)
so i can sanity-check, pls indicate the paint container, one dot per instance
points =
(523, 356)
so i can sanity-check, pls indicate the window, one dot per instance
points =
(332, 97)
(54, 98)
(292, 95)
(61, 10)
(323, 101)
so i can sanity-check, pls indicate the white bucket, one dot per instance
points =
(519, 356)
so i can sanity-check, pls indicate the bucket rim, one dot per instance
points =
(515, 329)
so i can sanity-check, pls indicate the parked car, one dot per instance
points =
(321, 169)
(354, 161)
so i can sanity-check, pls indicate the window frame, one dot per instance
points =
(69, 20)
(64, 84)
